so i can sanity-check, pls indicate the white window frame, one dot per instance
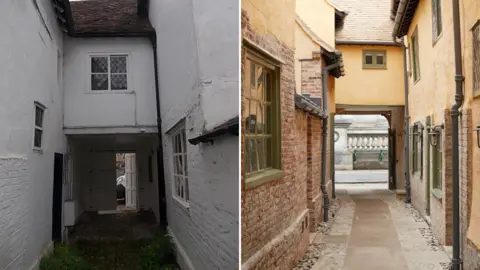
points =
(179, 131)
(35, 127)
(109, 90)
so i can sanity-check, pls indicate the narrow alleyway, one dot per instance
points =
(373, 229)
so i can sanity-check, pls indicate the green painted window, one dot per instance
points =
(436, 19)
(437, 165)
(261, 119)
(417, 149)
(375, 59)
(415, 64)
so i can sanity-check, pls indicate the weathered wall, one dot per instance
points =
(320, 17)
(434, 55)
(274, 213)
(469, 151)
(370, 86)
(135, 107)
(304, 46)
(197, 84)
(30, 71)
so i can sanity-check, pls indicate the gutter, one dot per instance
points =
(302, 102)
(402, 6)
(456, 263)
(372, 43)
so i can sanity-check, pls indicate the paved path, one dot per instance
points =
(373, 230)
(361, 176)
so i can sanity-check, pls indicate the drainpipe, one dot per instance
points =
(160, 169)
(323, 185)
(398, 19)
(455, 113)
(408, 197)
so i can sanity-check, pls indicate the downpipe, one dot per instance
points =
(160, 169)
(323, 184)
(456, 263)
(408, 190)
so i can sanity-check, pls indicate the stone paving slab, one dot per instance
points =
(373, 229)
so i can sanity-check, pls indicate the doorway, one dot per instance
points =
(57, 198)
(127, 183)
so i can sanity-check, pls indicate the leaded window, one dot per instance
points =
(109, 73)
(38, 125)
(180, 172)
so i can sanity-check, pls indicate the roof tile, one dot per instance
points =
(367, 21)
(108, 17)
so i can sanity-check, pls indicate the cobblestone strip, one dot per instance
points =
(420, 247)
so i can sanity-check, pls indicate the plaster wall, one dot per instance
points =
(470, 13)
(268, 18)
(86, 108)
(30, 71)
(370, 86)
(319, 15)
(436, 61)
(196, 48)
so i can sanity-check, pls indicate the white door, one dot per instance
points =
(130, 181)
(104, 180)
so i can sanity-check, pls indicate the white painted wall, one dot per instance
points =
(28, 73)
(198, 71)
(84, 108)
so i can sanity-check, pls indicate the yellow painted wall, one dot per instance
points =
(370, 86)
(320, 17)
(471, 15)
(434, 92)
(268, 18)
(304, 46)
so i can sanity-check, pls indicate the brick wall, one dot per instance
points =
(312, 77)
(275, 213)
(314, 156)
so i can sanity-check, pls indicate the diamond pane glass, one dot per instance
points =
(118, 64)
(99, 64)
(38, 116)
(119, 82)
(37, 140)
(99, 81)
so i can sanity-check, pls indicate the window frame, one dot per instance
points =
(476, 59)
(38, 105)
(417, 149)
(109, 73)
(437, 167)
(180, 130)
(415, 61)
(437, 23)
(375, 54)
(256, 178)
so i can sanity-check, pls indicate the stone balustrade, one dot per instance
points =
(367, 142)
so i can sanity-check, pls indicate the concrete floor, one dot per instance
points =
(374, 230)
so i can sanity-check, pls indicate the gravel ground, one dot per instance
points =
(314, 251)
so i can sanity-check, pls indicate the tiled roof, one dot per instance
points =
(314, 36)
(367, 21)
(108, 17)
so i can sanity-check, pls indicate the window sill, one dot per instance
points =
(110, 92)
(262, 178)
(437, 193)
(38, 150)
(375, 68)
(184, 205)
(476, 93)
(437, 39)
